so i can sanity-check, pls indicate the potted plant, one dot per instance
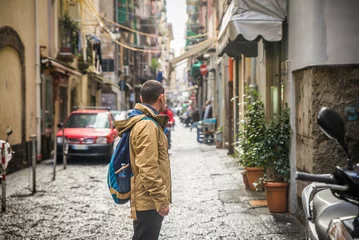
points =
(219, 133)
(68, 29)
(278, 172)
(251, 137)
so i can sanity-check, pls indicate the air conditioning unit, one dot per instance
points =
(126, 70)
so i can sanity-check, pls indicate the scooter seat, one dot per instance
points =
(327, 207)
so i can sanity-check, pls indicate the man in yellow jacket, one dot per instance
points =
(151, 182)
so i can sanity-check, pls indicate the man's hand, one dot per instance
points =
(164, 212)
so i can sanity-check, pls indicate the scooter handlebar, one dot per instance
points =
(323, 178)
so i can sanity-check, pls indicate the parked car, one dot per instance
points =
(88, 133)
(119, 115)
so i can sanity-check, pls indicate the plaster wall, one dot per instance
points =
(10, 90)
(336, 87)
(19, 15)
(323, 32)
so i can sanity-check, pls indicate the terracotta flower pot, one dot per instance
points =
(245, 179)
(253, 173)
(276, 193)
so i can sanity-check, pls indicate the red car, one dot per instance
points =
(88, 133)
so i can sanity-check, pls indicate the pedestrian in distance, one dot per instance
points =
(208, 110)
(151, 189)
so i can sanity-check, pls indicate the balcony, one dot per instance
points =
(144, 11)
(69, 35)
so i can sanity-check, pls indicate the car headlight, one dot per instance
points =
(60, 140)
(101, 140)
(338, 231)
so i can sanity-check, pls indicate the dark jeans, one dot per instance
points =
(147, 226)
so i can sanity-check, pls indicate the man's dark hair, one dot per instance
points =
(151, 90)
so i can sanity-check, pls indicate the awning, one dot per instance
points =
(196, 49)
(63, 68)
(247, 21)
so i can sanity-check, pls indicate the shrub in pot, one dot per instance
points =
(251, 137)
(278, 136)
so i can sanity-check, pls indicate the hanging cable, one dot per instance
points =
(111, 35)
(120, 25)
(197, 36)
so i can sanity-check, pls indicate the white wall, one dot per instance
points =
(323, 32)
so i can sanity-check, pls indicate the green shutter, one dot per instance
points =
(122, 12)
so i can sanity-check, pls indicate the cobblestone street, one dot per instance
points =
(209, 201)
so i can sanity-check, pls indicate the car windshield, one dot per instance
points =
(88, 120)
(121, 115)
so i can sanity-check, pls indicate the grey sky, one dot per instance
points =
(177, 15)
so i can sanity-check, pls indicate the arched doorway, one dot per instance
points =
(13, 90)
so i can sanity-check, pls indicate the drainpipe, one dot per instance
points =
(56, 28)
(37, 81)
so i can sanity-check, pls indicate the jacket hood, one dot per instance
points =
(140, 111)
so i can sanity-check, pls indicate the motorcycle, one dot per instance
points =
(331, 201)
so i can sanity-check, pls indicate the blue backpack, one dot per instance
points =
(119, 173)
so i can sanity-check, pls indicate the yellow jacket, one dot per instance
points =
(151, 181)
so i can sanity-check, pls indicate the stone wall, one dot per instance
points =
(336, 87)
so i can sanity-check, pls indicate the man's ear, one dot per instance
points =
(141, 98)
(160, 97)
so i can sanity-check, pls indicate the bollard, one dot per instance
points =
(55, 157)
(64, 148)
(33, 140)
(3, 183)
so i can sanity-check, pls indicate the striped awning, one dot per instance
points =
(247, 21)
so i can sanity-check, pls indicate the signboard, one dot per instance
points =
(203, 69)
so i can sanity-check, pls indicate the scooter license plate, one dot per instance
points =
(79, 147)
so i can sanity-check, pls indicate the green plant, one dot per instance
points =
(278, 142)
(219, 129)
(69, 31)
(252, 134)
(154, 64)
(67, 23)
(259, 183)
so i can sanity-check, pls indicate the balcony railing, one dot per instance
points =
(69, 38)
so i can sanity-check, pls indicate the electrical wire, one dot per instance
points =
(120, 25)
(139, 32)
(110, 34)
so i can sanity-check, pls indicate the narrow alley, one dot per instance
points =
(209, 201)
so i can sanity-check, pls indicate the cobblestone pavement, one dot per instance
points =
(209, 201)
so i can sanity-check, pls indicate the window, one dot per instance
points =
(108, 65)
(88, 120)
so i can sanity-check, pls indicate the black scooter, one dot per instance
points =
(331, 202)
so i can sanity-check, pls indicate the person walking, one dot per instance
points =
(150, 163)
(208, 114)
(208, 110)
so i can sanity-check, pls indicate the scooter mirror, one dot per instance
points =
(333, 126)
(9, 130)
(60, 125)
